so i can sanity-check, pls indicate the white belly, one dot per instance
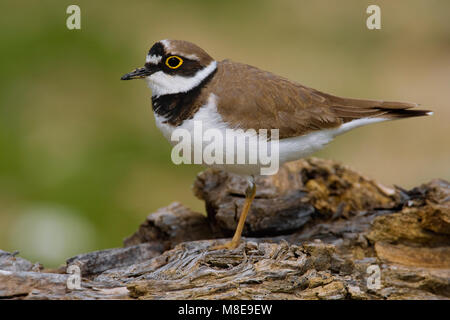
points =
(289, 149)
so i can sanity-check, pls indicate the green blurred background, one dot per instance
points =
(81, 161)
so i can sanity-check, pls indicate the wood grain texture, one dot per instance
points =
(404, 232)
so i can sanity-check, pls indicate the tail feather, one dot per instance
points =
(405, 113)
(351, 109)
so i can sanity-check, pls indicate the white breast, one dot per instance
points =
(210, 119)
(207, 114)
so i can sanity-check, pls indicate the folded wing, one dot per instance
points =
(252, 98)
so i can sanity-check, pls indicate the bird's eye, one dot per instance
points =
(174, 62)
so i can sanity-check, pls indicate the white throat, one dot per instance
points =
(161, 83)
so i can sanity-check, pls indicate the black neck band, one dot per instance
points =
(178, 107)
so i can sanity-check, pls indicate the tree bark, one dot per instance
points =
(316, 230)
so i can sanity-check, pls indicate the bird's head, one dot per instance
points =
(174, 66)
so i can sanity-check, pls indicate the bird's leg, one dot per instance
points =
(249, 196)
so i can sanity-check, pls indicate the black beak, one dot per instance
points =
(137, 74)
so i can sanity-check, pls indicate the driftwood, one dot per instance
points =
(316, 230)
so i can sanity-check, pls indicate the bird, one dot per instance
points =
(189, 86)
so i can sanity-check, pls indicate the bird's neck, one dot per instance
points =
(177, 107)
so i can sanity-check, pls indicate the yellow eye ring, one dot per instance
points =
(180, 62)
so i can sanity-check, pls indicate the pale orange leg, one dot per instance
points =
(249, 196)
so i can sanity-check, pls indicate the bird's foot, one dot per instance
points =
(230, 245)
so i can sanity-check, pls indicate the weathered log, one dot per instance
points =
(302, 191)
(171, 225)
(317, 230)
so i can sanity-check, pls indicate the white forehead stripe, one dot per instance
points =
(188, 56)
(153, 59)
(162, 83)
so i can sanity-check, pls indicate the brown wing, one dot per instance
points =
(252, 98)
